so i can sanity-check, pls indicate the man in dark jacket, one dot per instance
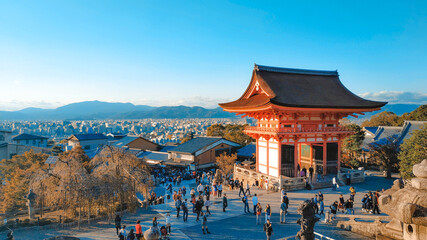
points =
(118, 222)
(224, 202)
(375, 202)
(198, 207)
(268, 228)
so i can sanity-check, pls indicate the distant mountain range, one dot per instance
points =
(96, 110)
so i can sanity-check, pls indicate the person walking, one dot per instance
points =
(267, 212)
(122, 233)
(205, 224)
(334, 184)
(248, 189)
(352, 193)
(184, 191)
(178, 206)
(315, 201)
(258, 213)
(220, 190)
(138, 230)
(199, 206)
(310, 171)
(184, 207)
(348, 178)
(255, 202)
(241, 188)
(321, 208)
(117, 223)
(168, 222)
(283, 212)
(334, 208)
(246, 204)
(200, 189)
(268, 228)
(375, 202)
(286, 200)
(224, 202)
(207, 205)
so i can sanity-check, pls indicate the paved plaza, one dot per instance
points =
(233, 224)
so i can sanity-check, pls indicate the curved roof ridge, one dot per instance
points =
(295, 70)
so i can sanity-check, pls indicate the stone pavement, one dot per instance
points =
(234, 223)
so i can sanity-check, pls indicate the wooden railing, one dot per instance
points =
(297, 130)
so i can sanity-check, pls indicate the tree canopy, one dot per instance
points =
(391, 119)
(351, 147)
(413, 151)
(232, 132)
(385, 154)
(16, 174)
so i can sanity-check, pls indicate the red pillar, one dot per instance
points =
(268, 160)
(296, 159)
(279, 145)
(257, 158)
(324, 157)
(311, 155)
(339, 156)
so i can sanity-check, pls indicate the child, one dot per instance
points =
(168, 222)
(205, 223)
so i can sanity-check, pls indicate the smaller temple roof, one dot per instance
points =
(299, 88)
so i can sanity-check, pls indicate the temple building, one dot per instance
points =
(298, 113)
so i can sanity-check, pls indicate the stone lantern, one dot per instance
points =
(407, 206)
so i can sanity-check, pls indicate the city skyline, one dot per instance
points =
(199, 53)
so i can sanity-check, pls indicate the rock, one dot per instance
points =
(420, 170)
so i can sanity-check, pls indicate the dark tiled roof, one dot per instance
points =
(156, 156)
(125, 141)
(299, 88)
(168, 148)
(93, 136)
(195, 144)
(247, 151)
(372, 130)
(26, 136)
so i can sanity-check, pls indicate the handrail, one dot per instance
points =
(315, 233)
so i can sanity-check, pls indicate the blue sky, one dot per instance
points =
(202, 52)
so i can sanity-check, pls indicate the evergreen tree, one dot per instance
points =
(413, 151)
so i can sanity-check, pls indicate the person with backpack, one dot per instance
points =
(122, 233)
(268, 229)
(117, 222)
(245, 204)
(224, 202)
(138, 230)
(286, 200)
(184, 210)
(315, 201)
(283, 212)
(199, 206)
(365, 200)
(178, 206)
(205, 223)
(258, 213)
(334, 208)
(131, 235)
